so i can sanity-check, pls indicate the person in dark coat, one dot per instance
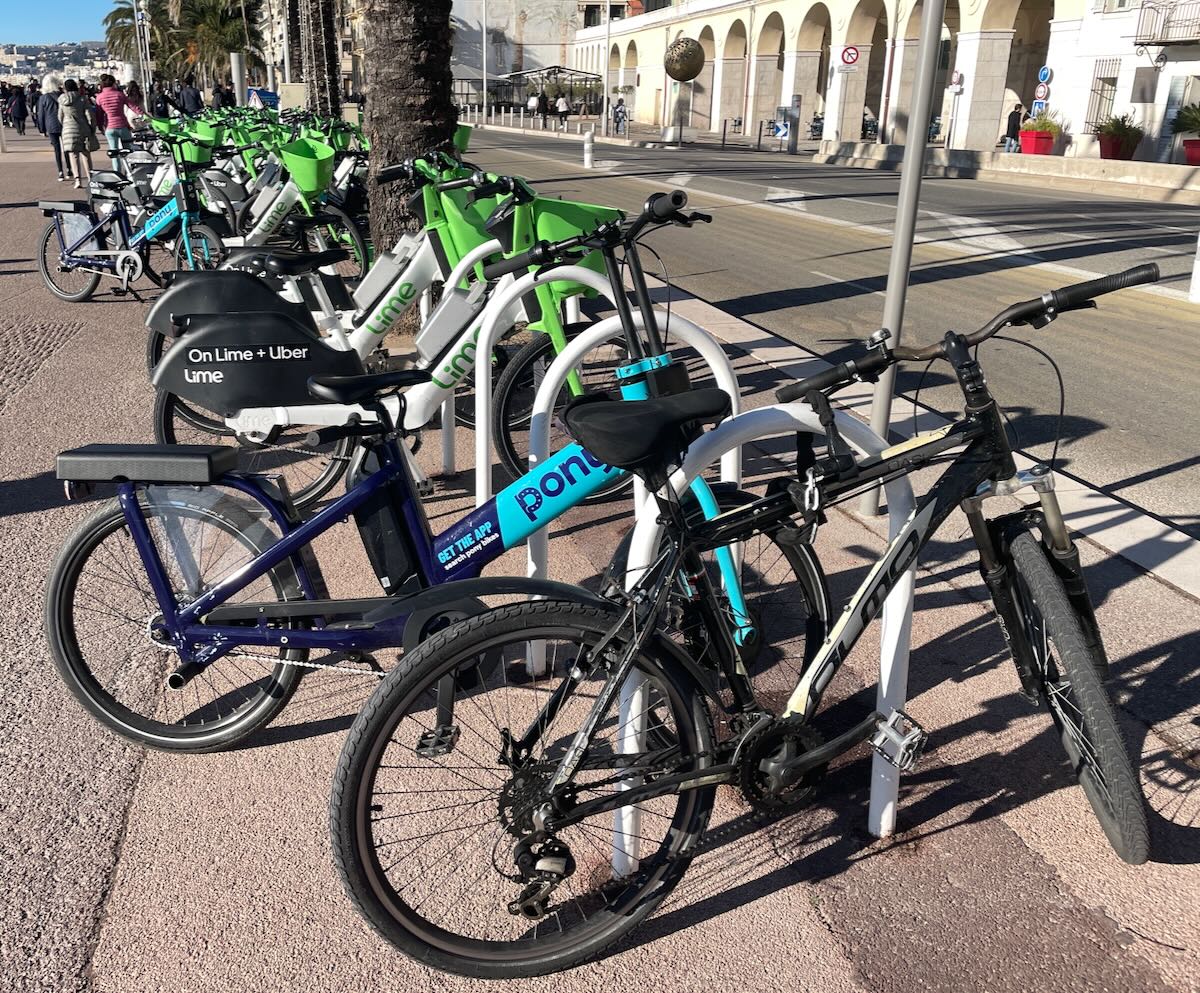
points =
(46, 115)
(1012, 132)
(189, 97)
(18, 110)
(543, 107)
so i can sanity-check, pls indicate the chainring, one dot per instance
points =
(762, 784)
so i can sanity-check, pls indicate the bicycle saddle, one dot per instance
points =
(112, 180)
(643, 436)
(285, 263)
(356, 389)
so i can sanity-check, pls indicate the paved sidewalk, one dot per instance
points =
(140, 871)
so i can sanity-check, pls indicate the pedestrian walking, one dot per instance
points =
(5, 97)
(18, 110)
(189, 97)
(1012, 133)
(531, 106)
(111, 104)
(563, 107)
(49, 123)
(620, 116)
(135, 105)
(160, 101)
(230, 98)
(78, 130)
(543, 107)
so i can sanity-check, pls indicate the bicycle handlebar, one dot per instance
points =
(1049, 304)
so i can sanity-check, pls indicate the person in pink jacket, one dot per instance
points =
(112, 104)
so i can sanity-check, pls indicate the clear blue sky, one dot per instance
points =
(24, 23)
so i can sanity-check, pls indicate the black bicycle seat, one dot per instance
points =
(284, 263)
(356, 389)
(116, 153)
(643, 436)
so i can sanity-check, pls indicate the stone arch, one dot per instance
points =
(629, 73)
(731, 95)
(905, 70)
(862, 91)
(813, 40)
(702, 86)
(768, 67)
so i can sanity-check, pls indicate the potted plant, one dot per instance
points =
(1119, 137)
(1187, 121)
(1039, 134)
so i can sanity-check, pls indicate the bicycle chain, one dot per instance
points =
(276, 660)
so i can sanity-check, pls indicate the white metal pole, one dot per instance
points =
(485, 74)
(607, 57)
(906, 219)
(1194, 288)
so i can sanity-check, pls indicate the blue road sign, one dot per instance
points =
(1044, 74)
(1037, 107)
(782, 129)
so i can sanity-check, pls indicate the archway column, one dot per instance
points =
(904, 69)
(983, 61)
(716, 104)
(845, 98)
(732, 74)
(1071, 86)
(802, 78)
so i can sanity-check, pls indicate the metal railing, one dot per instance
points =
(1162, 23)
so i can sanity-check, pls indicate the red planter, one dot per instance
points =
(1191, 151)
(1112, 148)
(1037, 142)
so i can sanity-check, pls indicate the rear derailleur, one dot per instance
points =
(543, 865)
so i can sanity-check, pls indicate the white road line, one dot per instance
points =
(848, 282)
(680, 179)
(784, 197)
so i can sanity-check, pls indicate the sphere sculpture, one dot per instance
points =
(684, 59)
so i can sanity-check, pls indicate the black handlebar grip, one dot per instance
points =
(1072, 296)
(834, 376)
(392, 173)
(456, 184)
(325, 436)
(662, 206)
(518, 263)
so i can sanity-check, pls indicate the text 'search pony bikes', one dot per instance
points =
(533, 780)
(183, 612)
(86, 240)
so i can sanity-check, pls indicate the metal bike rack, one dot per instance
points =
(766, 422)
(497, 310)
(449, 412)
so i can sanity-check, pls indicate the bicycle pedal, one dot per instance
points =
(440, 741)
(900, 741)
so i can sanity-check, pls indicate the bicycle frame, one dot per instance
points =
(460, 552)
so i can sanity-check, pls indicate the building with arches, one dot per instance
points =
(852, 62)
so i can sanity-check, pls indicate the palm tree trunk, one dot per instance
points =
(410, 105)
(320, 50)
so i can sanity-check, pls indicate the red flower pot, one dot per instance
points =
(1037, 142)
(1191, 151)
(1113, 148)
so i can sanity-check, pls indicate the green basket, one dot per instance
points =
(212, 133)
(462, 138)
(196, 151)
(309, 163)
(162, 125)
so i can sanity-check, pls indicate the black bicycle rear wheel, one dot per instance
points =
(425, 830)
(1078, 703)
(72, 285)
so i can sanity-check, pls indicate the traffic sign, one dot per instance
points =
(782, 129)
(1037, 107)
(1044, 74)
(849, 55)
(1041, 91)
(847, 68)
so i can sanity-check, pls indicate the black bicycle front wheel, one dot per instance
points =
(428, 825)
(340, 232)
(1078, 703)
(203, 249)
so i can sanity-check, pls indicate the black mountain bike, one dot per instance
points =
(498, 820)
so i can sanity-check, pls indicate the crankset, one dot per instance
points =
(769, 775)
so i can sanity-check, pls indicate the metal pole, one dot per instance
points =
(724, 125)
(287, 48)
(607, 56)
(237, 69)
(485, 48)
(906, 220)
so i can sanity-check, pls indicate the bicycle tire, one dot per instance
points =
(631, 901)
(211, 250)
(512, 403)
(344, 233)
(178, 422)
(63, 637)
(790, 612)
(45, 264)
(1078, 703)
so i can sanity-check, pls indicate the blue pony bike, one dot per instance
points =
(183, 613)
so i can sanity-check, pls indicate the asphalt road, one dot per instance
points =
(818, 273)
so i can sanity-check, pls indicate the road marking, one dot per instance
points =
(848, 282)
(680, 179)
(792, 199)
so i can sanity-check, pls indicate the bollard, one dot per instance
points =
(1194, 289)
(589, 141)
(758, 141)
(724, 125)
(522, 125)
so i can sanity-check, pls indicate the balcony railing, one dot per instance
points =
(1168, 23)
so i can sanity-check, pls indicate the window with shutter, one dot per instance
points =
(1103, 94)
